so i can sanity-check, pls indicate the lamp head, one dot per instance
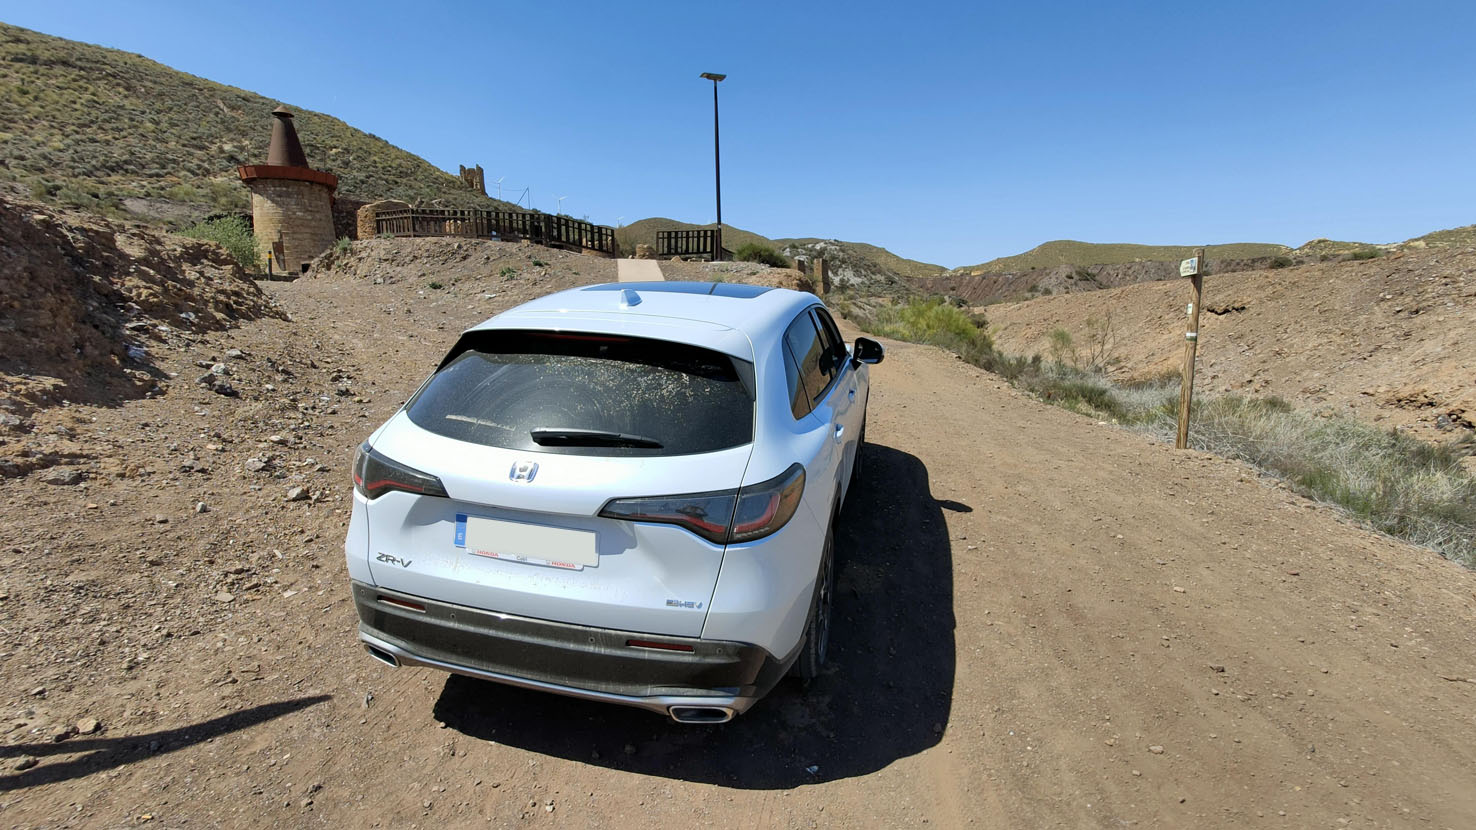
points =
(713, 76)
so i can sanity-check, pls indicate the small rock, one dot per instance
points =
(235, 353)
(297, 494)
(225, 596)
(62, 476)
(1178, 590)
(24, 762)
(161, 519)
(1156, 750)
(87, 726)
(220, 369)
(256, 465)
(201, 507)
(39, 691)
(277, 439)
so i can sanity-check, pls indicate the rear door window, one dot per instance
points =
(830, 339)
(804, 345)
(497, 388)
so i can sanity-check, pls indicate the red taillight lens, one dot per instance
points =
(764, 508)
(375, 475)
(726, 517)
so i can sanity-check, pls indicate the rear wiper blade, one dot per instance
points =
(567, 437)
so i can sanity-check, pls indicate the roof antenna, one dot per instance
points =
(629, 298)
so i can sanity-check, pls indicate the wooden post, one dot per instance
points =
(1191, 342)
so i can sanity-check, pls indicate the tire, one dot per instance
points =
(811, 661)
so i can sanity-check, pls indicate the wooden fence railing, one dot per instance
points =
(541, 228)
(703, 242)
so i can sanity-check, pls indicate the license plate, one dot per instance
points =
(557, 547)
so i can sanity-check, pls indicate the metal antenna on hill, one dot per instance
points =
(499, 188)
(559, 211)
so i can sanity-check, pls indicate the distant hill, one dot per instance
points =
(1462, 237)
(852, 264)
(644, 232)
(1071, 252)
(1320, 249)
(909, 268)
(116, 133)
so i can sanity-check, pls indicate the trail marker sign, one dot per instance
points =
(1191, 268)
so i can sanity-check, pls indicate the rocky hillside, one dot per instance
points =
(1069, 252)
(88, 127)
(856, 266)
(1386, 339)
(85, 303)
(1017, 286)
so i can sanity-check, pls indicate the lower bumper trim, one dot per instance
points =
(661, 704)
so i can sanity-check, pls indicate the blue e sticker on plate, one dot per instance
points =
(460, 541)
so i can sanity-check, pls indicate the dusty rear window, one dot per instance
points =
(500, 389)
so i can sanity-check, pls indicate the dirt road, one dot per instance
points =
(1045, 622)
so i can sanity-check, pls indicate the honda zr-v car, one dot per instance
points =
(625, 493)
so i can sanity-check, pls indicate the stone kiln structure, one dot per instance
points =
(291, 203)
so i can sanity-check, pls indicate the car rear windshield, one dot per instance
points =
(587, 395)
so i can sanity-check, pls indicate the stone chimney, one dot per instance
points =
(291, 203)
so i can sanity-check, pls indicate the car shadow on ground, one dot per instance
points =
(104, 753)
(886, 693)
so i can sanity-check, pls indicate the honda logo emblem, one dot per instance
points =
(523, 471)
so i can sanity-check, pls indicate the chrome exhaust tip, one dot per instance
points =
(700, 714)
(382, 656)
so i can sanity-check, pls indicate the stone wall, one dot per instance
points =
(346, 217)
(368, 212)
(298, 213)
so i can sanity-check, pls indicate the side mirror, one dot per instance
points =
(868, 351)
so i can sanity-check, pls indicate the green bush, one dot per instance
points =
(232, 233)
(1366, 253)
(343, 245)
(760, 253)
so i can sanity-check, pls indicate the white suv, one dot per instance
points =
(623, 492)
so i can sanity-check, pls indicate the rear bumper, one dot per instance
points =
(579, 661)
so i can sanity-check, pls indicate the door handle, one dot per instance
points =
(840, 430)
(852, 393)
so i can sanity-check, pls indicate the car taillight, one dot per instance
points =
(724, 517)
(764, 508)
(375, 475)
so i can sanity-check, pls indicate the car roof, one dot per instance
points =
(725, 317)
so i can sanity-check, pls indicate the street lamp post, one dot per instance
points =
(717, 166)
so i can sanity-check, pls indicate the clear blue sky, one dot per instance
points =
(946, 132)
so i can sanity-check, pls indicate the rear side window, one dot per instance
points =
(808, 353)
(499, 388)
(835, 347)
